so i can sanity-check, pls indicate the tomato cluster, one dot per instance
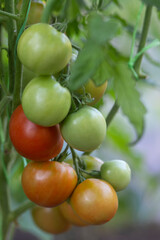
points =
(66, 190)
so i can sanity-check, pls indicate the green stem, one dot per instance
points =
(3, 103)
(112, 113)
(143, 39)
(10, 15)
(16, 213)
(4, 204)
(75, 162)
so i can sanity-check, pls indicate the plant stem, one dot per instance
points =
(4, 205)
(16, 213)
(143, 39)
(10, 15)
(74, 156)
(112, 113)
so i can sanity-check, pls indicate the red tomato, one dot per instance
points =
(33, 141)
(70, 215)
(48, 184)
(50, 220)
(95, 201)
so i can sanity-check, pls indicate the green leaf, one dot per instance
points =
(101, 30)
(85, 66)
(128, 97)
(102, 74)
(72, 9)
(155, 3)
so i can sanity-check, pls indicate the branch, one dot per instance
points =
(143, 39)
(112, 113)
(10, 15)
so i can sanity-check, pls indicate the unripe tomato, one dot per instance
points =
(33, 141)
(117, 173)
(48, 184)
(85, 129)
(96, 92)
(70, 215)
(35, 11)
(95, 201)
(50, 220)
(44, 50)
(45, 102)
(90, 163)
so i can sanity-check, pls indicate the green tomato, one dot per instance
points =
(117, 173)
(44, 50)
(90, 163)
(85, 129)
(45, 102)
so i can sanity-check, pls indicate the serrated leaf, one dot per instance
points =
(85, 66)
(155, 3)
(128, 97)
(101, 30)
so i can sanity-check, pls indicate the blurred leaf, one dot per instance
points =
(85, 66)
(101, 30)
(72, 9)
(155, 3)
(102, 74)
(128, 97)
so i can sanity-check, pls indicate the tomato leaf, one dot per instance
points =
(85, 66)
(105, 29)
(128, 97)
(155, 3)
(102, 74)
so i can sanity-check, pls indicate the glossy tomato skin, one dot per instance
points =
(44, 50)
(96, 92)
(95, 201)
(45, 102)
(117, 173)
(33, 141)
(85, 129)
(90, 163)
(48, 184)
(50, 220)
(35, 11)
(69, 214)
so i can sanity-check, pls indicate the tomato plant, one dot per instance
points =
(45, 102)
(95, 201)
(117, 173)
(33, 141)
(52, 52)
(48, 184)
(84, 129)
(69, 214)
(50, 220)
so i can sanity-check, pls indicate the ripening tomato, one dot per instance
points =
(44, 50)
(85, 129)
(35, 11)
(70, 215)
(90, 163)
(45, 102)
(33, 141)
(95, 201)
(50, 220)
(117, 173)
(96, 92)
(48, 184)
